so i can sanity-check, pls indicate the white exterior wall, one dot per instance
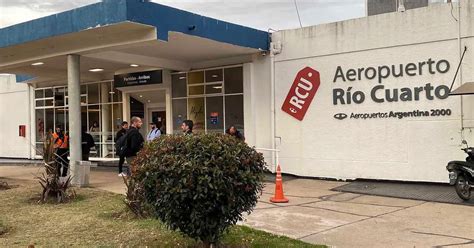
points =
(257, 106)
(412, 148)
(14, 111)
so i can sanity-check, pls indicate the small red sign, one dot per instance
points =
(22, 131)
(301, 93)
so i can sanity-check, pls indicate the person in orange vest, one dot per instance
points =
(61, 144)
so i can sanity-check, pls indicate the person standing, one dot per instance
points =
(162, 128)
(154, 132)
(187, 127)
(232, 131)
(134, 140)
(120, 134)
(95, 127)
(87, 144)
(61, 145)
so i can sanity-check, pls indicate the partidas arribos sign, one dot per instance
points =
(380, 93)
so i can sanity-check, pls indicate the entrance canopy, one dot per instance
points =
(116, 36)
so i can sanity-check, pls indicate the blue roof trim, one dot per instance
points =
(23, 78)
(107, 12)
(99, 14)
(168, 19)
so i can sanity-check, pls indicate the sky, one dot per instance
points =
(260, 14)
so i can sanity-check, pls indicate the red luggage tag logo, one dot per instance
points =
(301, 93)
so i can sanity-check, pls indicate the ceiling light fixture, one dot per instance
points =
(214, 76)
(149, 101)
(134, 65)
(181, 78)
(217, 87)
(37, 63)
(96, 70)
(141, 96)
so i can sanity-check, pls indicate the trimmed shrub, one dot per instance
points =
(199, 184)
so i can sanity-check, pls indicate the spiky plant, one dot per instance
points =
(52, 185)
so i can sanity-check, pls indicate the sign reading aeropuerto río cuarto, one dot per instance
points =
(379, 94)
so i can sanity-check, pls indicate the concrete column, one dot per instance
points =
(74, 93)
(168, 101)
(106, 113)
(126, 107)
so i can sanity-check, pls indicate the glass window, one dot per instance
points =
(40, 127)
(39, 94)
(59, 97)
(214, 76)
(60, 118)
(215, 114)
(84, 118)
(234, 111)
(196, 113)
(49, 103)
(106, 130)
(106, 116)
(179, 114)
(83, 89)
(93, 93)
(117, 117)
(234, 80)
(102, 119)
(213, 85)
(196, 77)
(94, 119)
(214, 89)
(48, 92)
(178, 85)
(49, 120)
(117, 96)
(109, 94)
(39, 148)
(39, 103)
(196, 90)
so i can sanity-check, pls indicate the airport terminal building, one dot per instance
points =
(362, 98)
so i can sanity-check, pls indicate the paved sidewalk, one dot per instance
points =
(316, 214)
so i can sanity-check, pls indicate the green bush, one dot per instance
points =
(200, 184)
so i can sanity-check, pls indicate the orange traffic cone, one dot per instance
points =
(279, 196)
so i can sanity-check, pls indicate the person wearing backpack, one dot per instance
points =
(119, 143)
(134, 141)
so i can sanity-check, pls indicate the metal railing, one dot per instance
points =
(275, 161)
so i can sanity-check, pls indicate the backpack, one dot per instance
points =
(121, 145)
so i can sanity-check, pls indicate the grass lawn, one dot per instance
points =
(98, 219)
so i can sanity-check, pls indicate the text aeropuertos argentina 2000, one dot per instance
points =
(380, 94)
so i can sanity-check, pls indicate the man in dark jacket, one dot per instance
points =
(187, 127)
(134, 140)
(121, 133)
(87, 144)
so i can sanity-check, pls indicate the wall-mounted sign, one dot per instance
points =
(138, 78)
(214, 117)
(301, 93)
(348, 94)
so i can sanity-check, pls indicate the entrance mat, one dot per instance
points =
(414, 191)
